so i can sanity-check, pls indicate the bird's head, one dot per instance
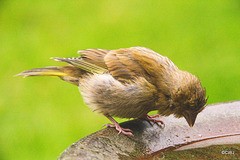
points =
(189, 99)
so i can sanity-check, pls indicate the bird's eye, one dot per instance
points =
(168, 96)
(172, 107)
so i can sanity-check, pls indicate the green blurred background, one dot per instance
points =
(42, 116)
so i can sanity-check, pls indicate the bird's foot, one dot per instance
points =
(118, 127)
(125, 131)
(152, 118)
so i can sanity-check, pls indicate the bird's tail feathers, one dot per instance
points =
(46, 71)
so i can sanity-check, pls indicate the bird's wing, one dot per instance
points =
(94, 56)
(90, 60)
(161, 69)
(123, 64)
(119, 63)
(153, 63)
(127, 63)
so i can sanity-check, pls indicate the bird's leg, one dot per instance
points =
(117, 126)
(151, 118)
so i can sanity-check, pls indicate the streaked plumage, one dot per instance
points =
(130, 82)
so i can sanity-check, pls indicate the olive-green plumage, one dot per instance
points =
(130, 82)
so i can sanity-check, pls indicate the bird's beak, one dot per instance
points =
(190, 118)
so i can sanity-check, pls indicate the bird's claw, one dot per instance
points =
(125, 131)
(152, 119)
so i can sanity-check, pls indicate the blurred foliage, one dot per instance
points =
(42, 116)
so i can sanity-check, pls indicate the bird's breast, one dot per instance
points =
(107, 95)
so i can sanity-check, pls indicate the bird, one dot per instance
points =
(129, 83)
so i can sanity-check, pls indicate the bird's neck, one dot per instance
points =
(176, 85)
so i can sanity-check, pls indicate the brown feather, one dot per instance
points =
(130, 82)
(95, 56)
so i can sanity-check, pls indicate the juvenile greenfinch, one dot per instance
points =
(129, 83)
